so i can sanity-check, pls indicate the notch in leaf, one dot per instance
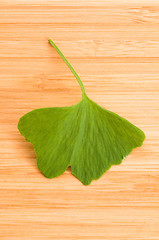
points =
(84, 136)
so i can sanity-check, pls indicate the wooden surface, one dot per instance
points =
(114, 46)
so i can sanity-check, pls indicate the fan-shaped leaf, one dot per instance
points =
(84, 136)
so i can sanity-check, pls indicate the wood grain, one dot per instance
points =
(114, 46)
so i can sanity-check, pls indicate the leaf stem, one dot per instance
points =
(69, 65)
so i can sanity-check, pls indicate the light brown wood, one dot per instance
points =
(114, 46)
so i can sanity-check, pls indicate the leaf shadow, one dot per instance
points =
(69, 170)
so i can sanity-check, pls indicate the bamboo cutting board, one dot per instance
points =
(114, 46)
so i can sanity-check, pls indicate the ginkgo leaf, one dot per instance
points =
(84, 136)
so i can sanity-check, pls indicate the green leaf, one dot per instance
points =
(84, 136)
